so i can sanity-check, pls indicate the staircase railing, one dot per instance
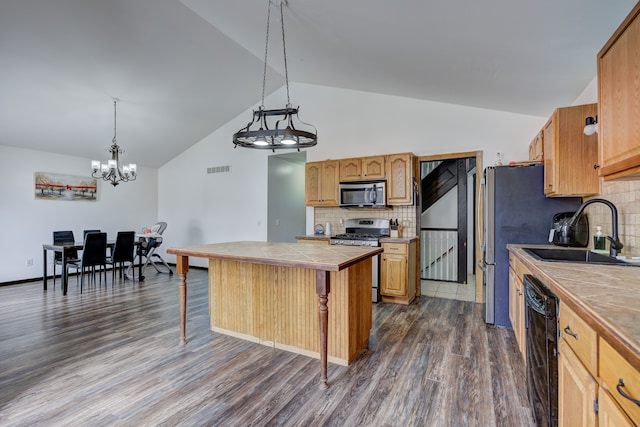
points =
(439, 254)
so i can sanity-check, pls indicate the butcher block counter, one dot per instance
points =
(310, 299)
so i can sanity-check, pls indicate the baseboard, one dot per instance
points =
(37, 279)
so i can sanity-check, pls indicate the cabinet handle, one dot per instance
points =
(596, 166)
(625, 395)
(568, 331)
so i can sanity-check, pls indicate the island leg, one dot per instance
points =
(323, 289)
(182, 265)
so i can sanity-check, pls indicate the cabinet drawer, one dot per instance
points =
(580, 337)
(395, 248)
(614, 369)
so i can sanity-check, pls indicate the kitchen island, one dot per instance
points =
(266, 293)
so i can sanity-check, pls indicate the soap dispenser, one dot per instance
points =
(599, 241)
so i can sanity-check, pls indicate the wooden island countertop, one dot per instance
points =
(265, 292)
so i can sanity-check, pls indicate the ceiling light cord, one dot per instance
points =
(266, 52)
(284, 50)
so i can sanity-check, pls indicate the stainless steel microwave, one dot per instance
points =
(363, 194)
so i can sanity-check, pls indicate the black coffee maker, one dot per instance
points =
(563, 234)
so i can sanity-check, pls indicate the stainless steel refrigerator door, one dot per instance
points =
(490, 217)
(490, 276)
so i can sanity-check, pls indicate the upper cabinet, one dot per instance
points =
(322, 178)
(535, 149)
(400, 179)
(362, 169)
(619, 101)
(570, 156)
(321, 183)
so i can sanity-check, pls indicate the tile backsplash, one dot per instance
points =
(406, 215)
(625, 195)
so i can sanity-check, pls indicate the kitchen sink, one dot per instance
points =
(573, 255)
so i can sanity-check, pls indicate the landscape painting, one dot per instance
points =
(50, 186)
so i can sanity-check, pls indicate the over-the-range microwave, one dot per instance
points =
(363, 194)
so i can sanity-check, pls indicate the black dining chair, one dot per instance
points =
(62, 238)
(85, 232)
(123, 252)
(94, 254)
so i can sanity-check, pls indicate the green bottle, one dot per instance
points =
(599, 241)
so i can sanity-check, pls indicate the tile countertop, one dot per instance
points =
(607, 297)
(316, 257)
(398, 239)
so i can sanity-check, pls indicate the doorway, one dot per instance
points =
(447, 226)
(286, 211)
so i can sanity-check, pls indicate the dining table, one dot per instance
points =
(64, 248)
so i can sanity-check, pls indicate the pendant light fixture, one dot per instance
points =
(276, 129)
(111, 171)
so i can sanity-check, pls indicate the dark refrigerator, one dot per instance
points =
(515, 211)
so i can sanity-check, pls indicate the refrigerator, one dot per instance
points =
(515, 211)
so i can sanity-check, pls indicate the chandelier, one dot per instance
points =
(282, 132)
(111, 171)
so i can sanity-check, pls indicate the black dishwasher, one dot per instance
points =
(542, 356)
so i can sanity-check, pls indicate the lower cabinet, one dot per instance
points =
(609, 413)
(584, 357)
(517, 306)
(398, 272)
(577, 390)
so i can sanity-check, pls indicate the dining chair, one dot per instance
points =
(123, 251)
(61, 238)
(94, 254)
(85, 232)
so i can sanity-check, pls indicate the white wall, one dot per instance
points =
(201, 208)
(28, 223)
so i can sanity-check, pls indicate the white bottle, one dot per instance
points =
(327, 229)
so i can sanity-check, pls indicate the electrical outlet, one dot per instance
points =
(29, 262)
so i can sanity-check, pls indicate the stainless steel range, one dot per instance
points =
(365, 232)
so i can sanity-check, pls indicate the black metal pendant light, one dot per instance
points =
(276, 129)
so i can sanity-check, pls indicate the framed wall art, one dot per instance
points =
(51, 186)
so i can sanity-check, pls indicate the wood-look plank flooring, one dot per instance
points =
(110, 357)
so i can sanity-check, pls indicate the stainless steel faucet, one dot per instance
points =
(615, 245)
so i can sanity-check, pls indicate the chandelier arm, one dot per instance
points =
(266, 51)
(284, 51)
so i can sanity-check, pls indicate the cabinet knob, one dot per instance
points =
(596, 166)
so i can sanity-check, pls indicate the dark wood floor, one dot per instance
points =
(110, 357)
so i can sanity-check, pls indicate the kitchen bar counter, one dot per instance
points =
(606, 297)
(266, 293)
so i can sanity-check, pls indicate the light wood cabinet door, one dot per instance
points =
(609, 413)
(321, 183)
(618, 106)
(517, 307)
(570, 156)
(400, 179)
(362, 169)
(577, 390)
(393, 275)
(398, 272)
(350, 169)
(373, 167)
(535, 148)
(621, 378)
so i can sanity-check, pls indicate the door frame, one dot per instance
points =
(478, 214)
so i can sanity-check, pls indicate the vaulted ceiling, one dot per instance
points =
(181, 69)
